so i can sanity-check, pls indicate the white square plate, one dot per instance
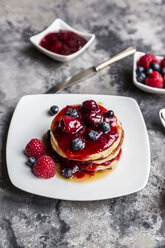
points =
(142, 86)
(31, 120)
(56, 26)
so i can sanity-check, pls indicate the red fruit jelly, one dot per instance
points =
(63, 42)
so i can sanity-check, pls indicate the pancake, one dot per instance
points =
(96, 154)
(112, 154)
(101, 167)
(92, 151)
(89, 156)
(89, 166)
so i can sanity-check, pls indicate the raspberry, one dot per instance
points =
(44, 167)
(163, 62)
(35, 148)
(154, 80)
(146, 60)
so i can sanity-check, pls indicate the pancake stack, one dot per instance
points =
(87, 137)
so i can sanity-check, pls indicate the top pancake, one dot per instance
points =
(93, 150)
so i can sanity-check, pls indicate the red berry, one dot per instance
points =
(44, 167)
(163, 62)
(70, 125)
(35, 148)
(94, 118)
(90, 106)
(146, 60)
(155, 79)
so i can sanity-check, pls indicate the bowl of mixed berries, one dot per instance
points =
(149, 72)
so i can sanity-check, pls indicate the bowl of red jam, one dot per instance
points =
(62, 42)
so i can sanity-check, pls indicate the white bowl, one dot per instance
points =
(162, 116)
(141, 86)
(56, 26)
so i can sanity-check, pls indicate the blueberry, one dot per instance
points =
(93, 135)
(139, 69)
(54, 110)
(148, 71)
(72, 112)
(31, 161)
(104, 126)
(109, 113)
(162, 71)
(141, 77)
(77, 144)
(67, 172)
(155, 66)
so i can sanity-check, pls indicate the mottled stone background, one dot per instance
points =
(134, 221)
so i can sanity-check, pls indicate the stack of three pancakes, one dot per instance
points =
(96, 155)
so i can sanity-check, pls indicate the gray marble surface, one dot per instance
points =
(133, 221)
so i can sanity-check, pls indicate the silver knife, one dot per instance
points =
(90, 71)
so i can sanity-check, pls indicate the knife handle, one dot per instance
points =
(129, 51)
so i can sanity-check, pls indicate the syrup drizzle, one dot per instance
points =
(79, 176)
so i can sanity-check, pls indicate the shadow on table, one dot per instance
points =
(37, 56)
(158, 126)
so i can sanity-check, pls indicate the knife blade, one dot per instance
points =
(72, 80)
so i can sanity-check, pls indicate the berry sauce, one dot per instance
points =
(63, 42)
(88, 123)
(81, 170)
